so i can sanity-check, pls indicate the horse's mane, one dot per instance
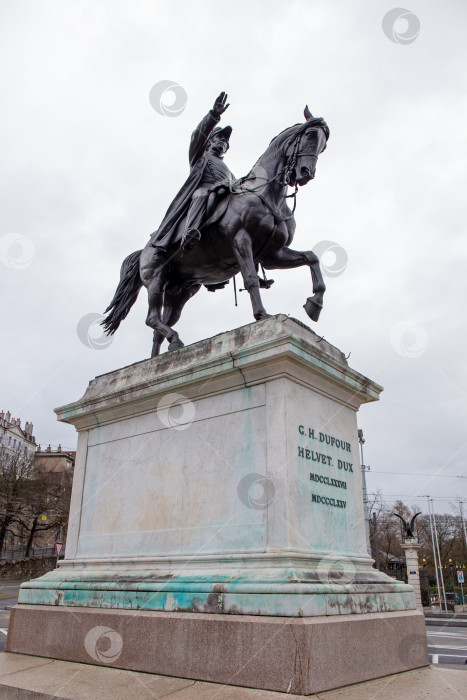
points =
(287, 136)
(298, 129)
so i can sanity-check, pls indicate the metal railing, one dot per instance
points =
(34, 552)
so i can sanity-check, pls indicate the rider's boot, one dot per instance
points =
(264, 283)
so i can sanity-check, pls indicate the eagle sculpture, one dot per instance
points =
(408, 527)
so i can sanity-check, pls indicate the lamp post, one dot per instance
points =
(366, 511)
(430, 503)
(451, 569)
(425, 583)
(375, 540)
(461, 581)
(434, 555)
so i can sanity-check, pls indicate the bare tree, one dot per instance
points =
(390, 533)
(16, 470)
(45, 495)
(32, 500)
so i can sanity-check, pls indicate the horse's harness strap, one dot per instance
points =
(290, 164)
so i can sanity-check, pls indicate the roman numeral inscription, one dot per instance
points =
(325, 500)
(319, 478)
(320, 444)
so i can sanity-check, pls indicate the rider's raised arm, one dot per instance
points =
(200, 136)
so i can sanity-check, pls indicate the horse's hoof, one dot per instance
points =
(312, 309)
(175, 345)
(262, 315)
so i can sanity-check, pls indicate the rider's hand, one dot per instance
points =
(219, 105)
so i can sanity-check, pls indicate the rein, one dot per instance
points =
(278, 218)
(287, 170)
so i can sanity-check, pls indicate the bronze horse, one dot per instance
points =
(251, 224)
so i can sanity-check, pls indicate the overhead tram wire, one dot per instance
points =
(423, 495)
(435, 476)
(391, 497)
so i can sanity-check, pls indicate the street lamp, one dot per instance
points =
(451, 569)
(366, 511)
(426, 583)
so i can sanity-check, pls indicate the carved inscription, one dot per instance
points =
(314, 456)
(319, 478)
(338, 459)
(328, 501)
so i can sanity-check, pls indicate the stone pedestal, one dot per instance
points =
(411, 547)
(216, 527)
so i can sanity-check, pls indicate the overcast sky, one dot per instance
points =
(89, 167)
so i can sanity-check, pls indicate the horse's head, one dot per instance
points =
(302, 147)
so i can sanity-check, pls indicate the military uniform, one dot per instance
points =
(207, 171)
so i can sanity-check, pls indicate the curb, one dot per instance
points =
(437, 622)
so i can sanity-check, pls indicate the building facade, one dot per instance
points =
(40, 520)
(57, 464)
(15, 438)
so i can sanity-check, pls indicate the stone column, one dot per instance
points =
(411, 547)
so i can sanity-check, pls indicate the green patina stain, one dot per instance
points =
(223, 594)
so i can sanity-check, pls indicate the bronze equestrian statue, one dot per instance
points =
(218, 226)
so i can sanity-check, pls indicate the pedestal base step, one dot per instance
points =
(289, 655)
(36, 678)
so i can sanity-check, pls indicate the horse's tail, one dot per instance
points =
(125, 294)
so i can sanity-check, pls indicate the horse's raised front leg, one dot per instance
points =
(286, 258)
(244, 254)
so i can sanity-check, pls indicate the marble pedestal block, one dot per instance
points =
(217, 502)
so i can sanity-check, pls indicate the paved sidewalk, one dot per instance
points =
(37, 678)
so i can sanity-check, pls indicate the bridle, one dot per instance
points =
(286, 171)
